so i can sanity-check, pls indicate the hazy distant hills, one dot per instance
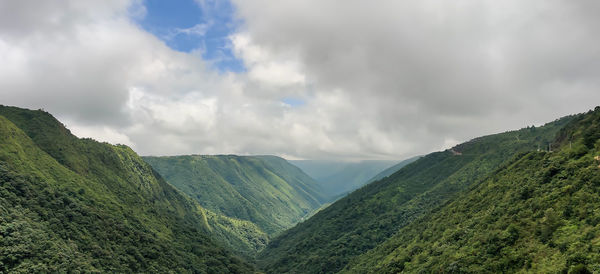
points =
(77, 205)
(391, 170)
(359, 222)
(265, 190)
(340, 177)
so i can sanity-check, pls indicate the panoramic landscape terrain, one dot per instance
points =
(233, 136)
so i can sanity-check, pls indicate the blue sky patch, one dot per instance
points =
(294, 102)
(188, 25)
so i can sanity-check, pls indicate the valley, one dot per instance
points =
(496, 203)
(367, 217)
(299, 136)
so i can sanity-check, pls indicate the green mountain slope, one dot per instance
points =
(339, 178)
(539, 213)
(76, 205)
(360, 221)
(265, 190)
(393, 169)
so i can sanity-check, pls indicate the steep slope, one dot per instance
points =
(337, 178)
(539, 213)
(393, 169)
(360, 221)
(72, 204)
(265, 190)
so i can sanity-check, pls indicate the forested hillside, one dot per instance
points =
(265, 190)
(77, 205)
(367, 217)
(538, 213)
(525, 200)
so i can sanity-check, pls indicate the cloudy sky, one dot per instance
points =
(307, 79)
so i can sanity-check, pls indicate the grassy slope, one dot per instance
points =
(76, 204)
(265, 190)
(539, 213)
(367, 217)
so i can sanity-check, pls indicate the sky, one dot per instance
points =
(302, 79)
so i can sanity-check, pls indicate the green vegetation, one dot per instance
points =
(338, 178)
(76, 205)
(367, 217)
(243, 237)
(265, 190)
(539, 213)
(494, 204)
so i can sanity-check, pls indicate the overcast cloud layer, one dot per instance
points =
(375, 81)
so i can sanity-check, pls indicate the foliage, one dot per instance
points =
(367, 217)
(265, 190)
(241, 236)
(538, 213)
(76, 205)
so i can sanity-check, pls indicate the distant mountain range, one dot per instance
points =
(391, 170)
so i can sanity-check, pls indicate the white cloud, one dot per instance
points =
(104, 133)
(279, 71)
(390, 80)
(422, 72)
(192, 112)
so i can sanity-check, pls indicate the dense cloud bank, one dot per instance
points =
(389, 80)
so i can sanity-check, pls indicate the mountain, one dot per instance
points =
(391, 170)
(265, 190)
(494, 204)
(77, 205)
(538, 213)
(359, 222)
(337, 178)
